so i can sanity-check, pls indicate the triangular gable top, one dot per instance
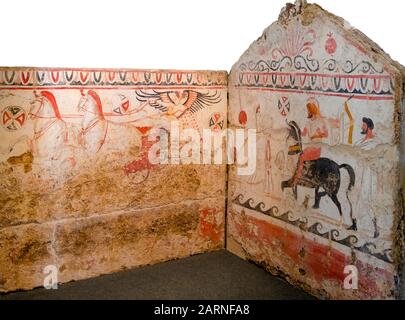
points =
(307, 13)
(308, 43)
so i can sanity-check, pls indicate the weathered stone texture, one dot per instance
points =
(78, 190)
(101, 188)
(24, 253)
(102, 244)
(326, 103)
(75, 170)
(87, 247)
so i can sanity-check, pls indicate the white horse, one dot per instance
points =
(50, 131)
(96, 129)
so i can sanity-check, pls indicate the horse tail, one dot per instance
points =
(351, 174)
(297, 134)
(295, 125)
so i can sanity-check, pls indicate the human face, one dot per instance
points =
(364, 128)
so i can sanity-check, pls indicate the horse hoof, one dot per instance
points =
(353, 227)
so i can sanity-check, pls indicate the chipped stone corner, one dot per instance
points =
(399, 230)
(312, 57)
(235, 247)
(291, 10)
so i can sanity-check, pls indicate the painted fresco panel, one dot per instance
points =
(326, 182)
(75, 147)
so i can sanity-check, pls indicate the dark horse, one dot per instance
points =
(322, 173)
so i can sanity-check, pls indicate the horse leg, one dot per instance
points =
(317, 202)
(286, 184)
(290, 184)
(318, 196)
(354, 226)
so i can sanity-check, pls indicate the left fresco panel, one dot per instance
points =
(75, 172)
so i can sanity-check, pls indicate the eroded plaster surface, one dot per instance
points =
(79, 192)
(77, 188)
(324, 101)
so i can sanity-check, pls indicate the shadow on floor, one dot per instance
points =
(215, 275)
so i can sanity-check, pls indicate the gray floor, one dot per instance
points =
(216, 275)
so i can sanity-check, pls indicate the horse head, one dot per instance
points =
(44, 105)
(36, 106)
(83, 102)
(90, 102)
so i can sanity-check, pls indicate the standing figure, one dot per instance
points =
(369, 177)
(370, 139)
(268, 171)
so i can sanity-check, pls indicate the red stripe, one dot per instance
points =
(109, 87)
(343, 76)
(112, 70)
(345, 95)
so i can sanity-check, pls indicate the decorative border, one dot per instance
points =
(316, 229)
(301, 75)
(306, 64)
(31, 77)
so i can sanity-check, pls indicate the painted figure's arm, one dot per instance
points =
(324, 133)
(321, 133)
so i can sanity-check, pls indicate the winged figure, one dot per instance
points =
(182, 104)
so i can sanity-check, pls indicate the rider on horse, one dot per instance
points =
(314, 132)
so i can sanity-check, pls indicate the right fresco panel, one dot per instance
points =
(322, 204)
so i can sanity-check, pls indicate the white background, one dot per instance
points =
(175, 34)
